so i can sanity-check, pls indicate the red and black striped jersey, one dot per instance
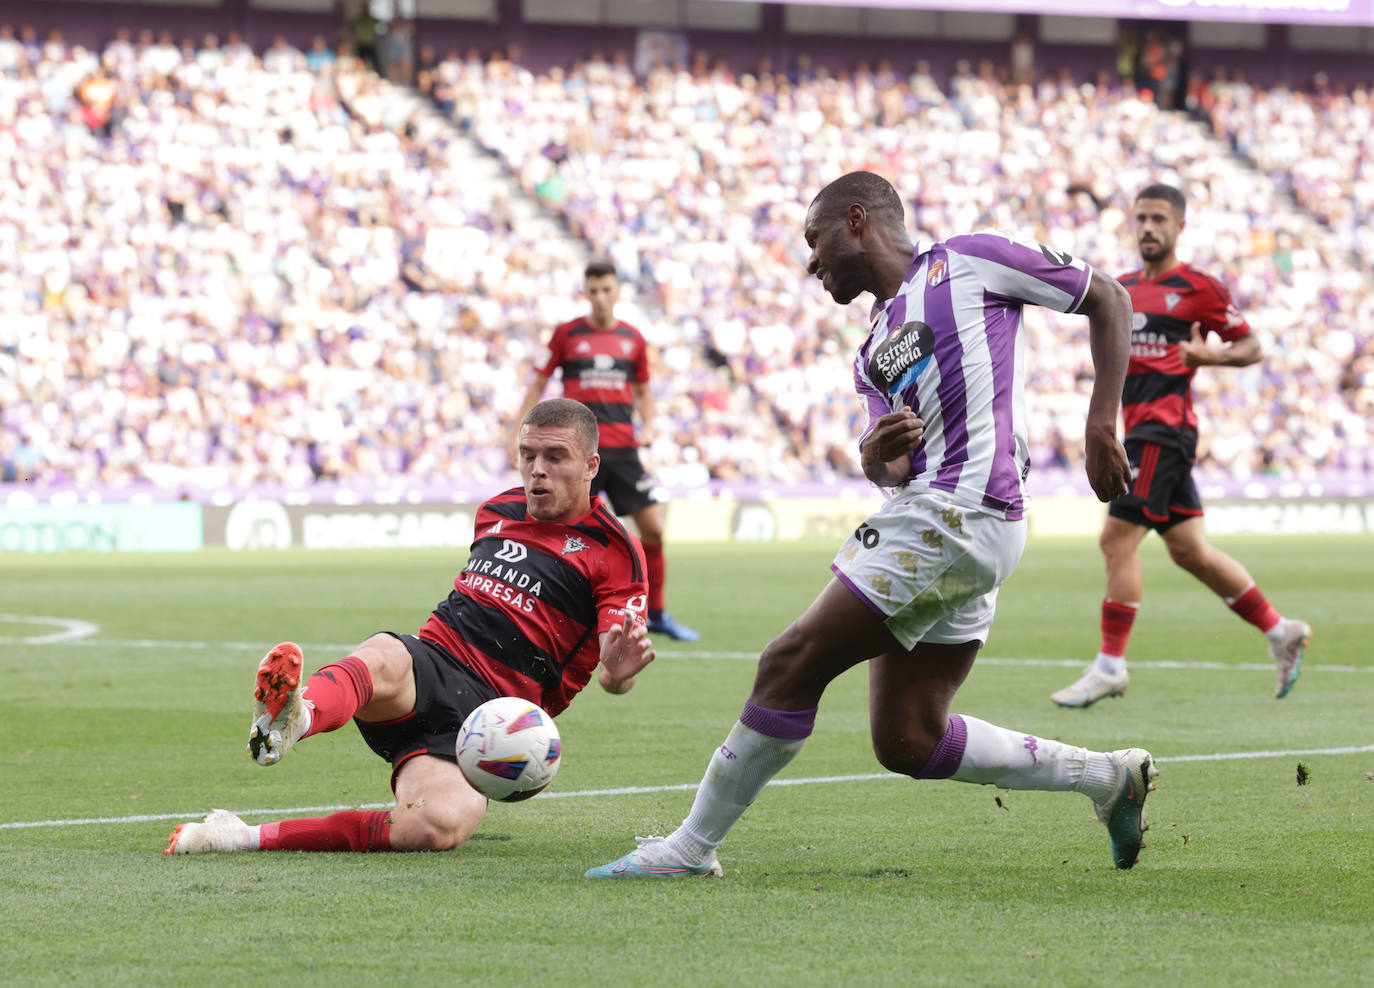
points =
(1157, 402)
(599, 368)
(527, 610)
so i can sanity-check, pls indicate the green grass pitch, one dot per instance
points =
(846, 877)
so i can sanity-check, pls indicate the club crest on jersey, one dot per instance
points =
(571, 544)
(583, 347)
(1172, 299)
(901, 357)
(626, 346)
(937, 273)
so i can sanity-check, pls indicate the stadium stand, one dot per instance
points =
(221, 270)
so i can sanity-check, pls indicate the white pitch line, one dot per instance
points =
(668, 653)
(1221, 756)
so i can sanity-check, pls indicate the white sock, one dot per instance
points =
(251, 838)
(1276, 633)
(996, 756)
(738, 771)
(1110, 665)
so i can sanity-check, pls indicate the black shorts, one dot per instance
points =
(446, 691)
(1162, 492)
(624, 481)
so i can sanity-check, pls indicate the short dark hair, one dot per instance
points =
(600, 269)
(1168, 193)
(565, 413)
(869, 189)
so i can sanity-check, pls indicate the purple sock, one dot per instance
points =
(945, 759)
(786, 725)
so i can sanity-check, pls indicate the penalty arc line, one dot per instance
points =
(1222, 756)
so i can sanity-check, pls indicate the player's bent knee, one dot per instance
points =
(903, 757)
(434, 828)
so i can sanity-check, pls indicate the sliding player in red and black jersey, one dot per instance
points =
(553, 591)
(604, 363)
(1176, 308)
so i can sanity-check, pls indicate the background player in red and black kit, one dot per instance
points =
(553, 589)
(605, 364)
(1176, 306)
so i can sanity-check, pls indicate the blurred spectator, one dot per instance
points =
(276, 271)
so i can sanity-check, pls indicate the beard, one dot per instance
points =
(1151, 250)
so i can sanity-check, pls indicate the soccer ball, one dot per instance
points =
(509, 749)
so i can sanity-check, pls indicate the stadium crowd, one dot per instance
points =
(221, 269)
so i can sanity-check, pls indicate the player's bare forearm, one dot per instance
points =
(885, 453)
(1242, 353)
(644, 406)
(625, 651)
(1108, 308)
(532, 395)
(887, 474)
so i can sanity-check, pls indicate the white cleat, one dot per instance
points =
(1092, 686)
(1287, 655)
(281, 715)
(656, 858)
(220, 831)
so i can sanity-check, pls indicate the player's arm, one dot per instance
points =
(625, 651)
(885, 452)
(644, 407)
(532, 395)
(1198, 352)
(1108, 308)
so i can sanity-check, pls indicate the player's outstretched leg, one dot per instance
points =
(220, 831)
(655, 857)
(1123, 812)
(281, 716)
(1092, 686)
(1287, 654)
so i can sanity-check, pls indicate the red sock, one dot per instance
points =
(338, 691)
(653, 558)
(1254, 607)
(351, 830)
(1116, 627)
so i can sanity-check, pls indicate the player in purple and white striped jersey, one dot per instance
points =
(965, 383)
(915, 586)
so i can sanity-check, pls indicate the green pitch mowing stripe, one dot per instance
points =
(839, 875)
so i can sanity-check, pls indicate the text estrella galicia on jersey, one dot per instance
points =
(571, 543)
(1059, 258)
(897, 360)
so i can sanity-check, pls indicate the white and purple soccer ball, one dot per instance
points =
(509, 749)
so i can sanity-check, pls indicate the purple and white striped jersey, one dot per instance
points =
(949, 345)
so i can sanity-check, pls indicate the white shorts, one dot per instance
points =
(931, 568)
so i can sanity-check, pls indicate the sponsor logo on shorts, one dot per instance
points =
(952, 517)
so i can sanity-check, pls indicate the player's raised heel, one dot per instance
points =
(281, 716)
(655, 858)
(220, 831)
(1287, 655)
(1092, 686)
(1123, 813)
